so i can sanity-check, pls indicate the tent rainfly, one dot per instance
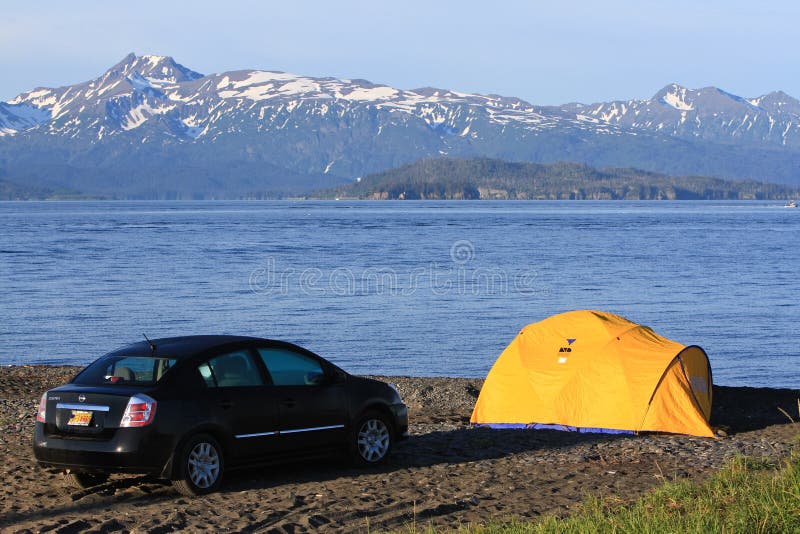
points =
(593, 371)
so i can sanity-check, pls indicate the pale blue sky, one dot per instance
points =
(545, 52)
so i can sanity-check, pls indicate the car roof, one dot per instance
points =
(183, 346)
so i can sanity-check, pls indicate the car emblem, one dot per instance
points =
(82, 397)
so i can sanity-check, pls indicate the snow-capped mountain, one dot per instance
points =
(124, 97)
(150, 127)
(138, 89)
(708, 113)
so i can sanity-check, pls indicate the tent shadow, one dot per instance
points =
(741, 409)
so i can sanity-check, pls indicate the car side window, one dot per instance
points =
(207, 375)
(290, 368)
(235, 369)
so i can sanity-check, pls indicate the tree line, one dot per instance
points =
(485, 178)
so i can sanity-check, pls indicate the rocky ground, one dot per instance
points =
(446, 474)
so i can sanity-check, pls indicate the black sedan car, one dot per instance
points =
(189, 408)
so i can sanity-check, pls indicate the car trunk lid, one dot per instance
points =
(87, 412)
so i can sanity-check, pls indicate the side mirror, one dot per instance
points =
(339, 376)
(316, 379)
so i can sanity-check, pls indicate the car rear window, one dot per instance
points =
(126, 370)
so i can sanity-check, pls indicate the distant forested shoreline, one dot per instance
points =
(491, 179)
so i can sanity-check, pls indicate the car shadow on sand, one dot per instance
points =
(443, 447)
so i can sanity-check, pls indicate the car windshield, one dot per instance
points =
(125, 370)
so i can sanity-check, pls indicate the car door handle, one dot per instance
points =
(288, 403)
(226, 404)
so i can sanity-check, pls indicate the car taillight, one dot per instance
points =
(140, 411)
(42, 413)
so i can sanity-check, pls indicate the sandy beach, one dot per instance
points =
(447, 474)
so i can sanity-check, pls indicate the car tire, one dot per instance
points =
(371, 439)
(83, 480)
(199, 468)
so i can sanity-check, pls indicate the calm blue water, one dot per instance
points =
(431, 288)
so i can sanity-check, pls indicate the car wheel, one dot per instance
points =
(82, 480)
(372, 440)
(200, 466)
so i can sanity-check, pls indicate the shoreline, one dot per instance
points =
(387, 200)
(447, 474)
(402, 377)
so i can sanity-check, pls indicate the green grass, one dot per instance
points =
(746, 496)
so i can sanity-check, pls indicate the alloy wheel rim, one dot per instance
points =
(373, 440)
(203, 465)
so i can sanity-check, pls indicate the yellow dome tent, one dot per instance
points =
(593, 371)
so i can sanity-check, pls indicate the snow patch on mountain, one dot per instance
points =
(39, 98)
(299, 86)
(677, 99)
(135, 113)
(373, 93)
(259, 77)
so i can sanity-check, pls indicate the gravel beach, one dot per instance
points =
(447, 474)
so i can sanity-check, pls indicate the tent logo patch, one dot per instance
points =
(570, 341)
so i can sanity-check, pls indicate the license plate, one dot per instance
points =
(80, 418)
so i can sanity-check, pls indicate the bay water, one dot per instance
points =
(414, 288)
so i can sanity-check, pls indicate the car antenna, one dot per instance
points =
(152, 345)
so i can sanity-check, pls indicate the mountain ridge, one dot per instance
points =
(680, 111)
(286, 132)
